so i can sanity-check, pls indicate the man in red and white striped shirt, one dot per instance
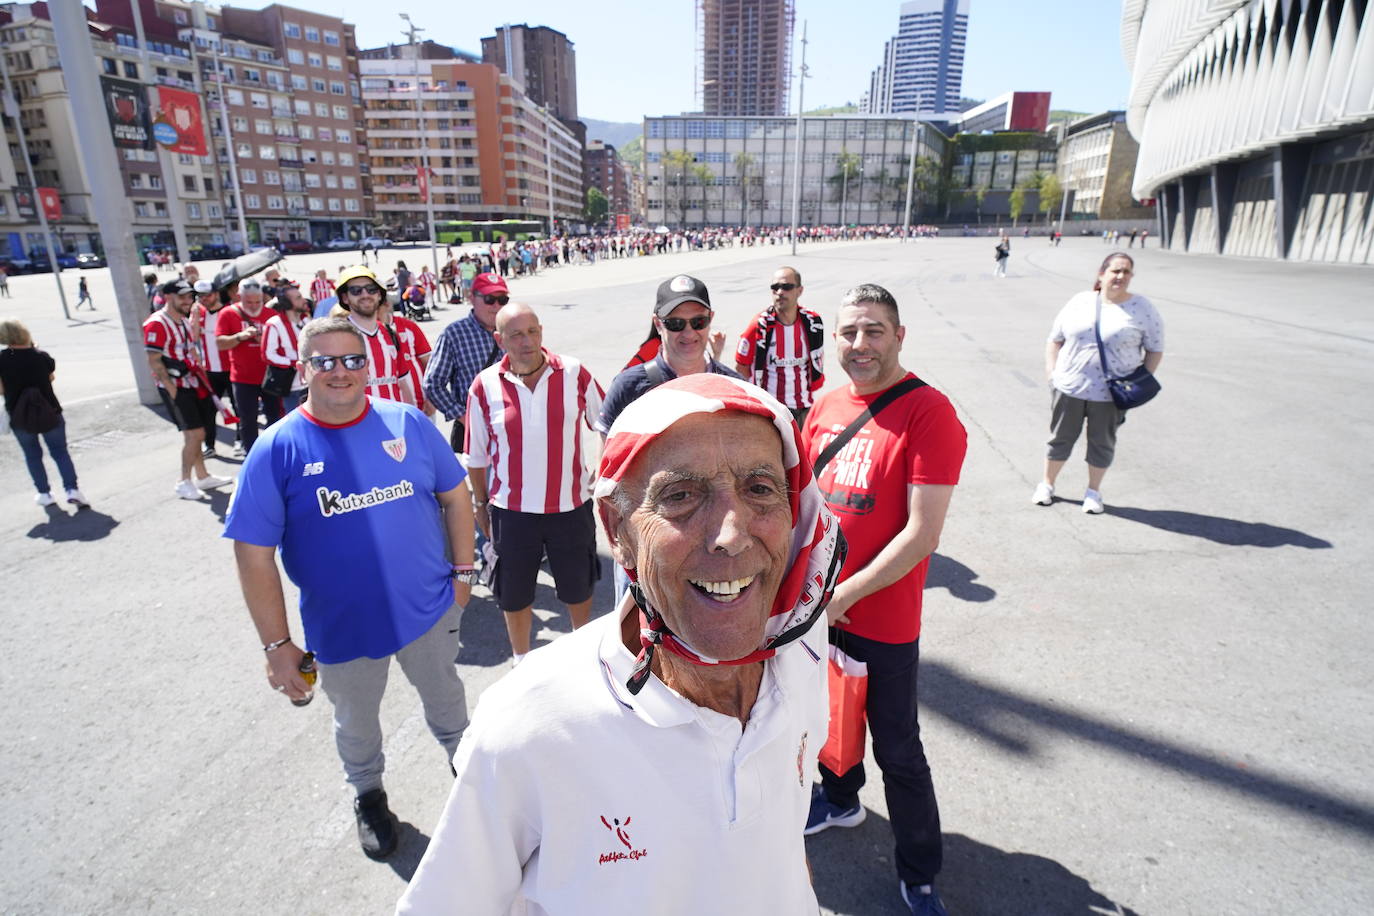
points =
(783, 349)
(388, 371)
(531, 472)
(279, 337)
(320, 287)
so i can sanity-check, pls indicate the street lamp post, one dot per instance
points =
(910, 180)
(12, 112)
(229, 142)
(424, 173)
(797, 151)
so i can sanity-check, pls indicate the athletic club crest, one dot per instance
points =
(396, 448)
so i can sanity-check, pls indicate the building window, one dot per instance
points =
(316, 203)
(341, 113)
(346, 159)
(331, 38)
(109, 66)
(265, 57)
(213, 210)
(295, 56)
(312, 180)
(193, 210)
(326, 133)
(267, 152)
(327, 157)
(189, 183)
(302, 108)
(306, 132)
(262, 126)
(240, 123)
(318, 85)
(337, 88)
(244, 150)
(136, 179)
(312, 33)
(252, 201)
(291, 29)
(301, 83)
(343, 135)
(321, 110)
(275, 202)
(248, 176)
(351, 205)
(333, 205)
(258, 99)
(315, 59)
(271, 176)
(334, 63)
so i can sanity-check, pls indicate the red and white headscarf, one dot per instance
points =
(817, 547)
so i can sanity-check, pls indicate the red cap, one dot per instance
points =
(489, 284)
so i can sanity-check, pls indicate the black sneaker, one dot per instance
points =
(377, 826)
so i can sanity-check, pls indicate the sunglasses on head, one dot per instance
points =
(351, 361)
(783, 287)
(699, 323)
(372, 288)
(496, 300)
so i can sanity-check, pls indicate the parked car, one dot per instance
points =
(341, 244)
(41, 265)
(297, 246)
(88, 260)
(210, 251)
(17, 265)
(376, 242)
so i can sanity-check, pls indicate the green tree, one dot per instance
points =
(703, 177)
(745, 172)
(980, 194)
(1051, 193)
(597, 207)
(632, 153)
(677, 166)
(848, 167)
(1016, 201)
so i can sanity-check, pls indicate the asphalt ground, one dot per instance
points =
(1162, 710)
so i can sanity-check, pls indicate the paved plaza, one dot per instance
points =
(1162, 710)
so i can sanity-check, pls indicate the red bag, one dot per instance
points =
(844, 748)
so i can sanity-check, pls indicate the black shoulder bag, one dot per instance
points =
(1130, 390)
(880, 402)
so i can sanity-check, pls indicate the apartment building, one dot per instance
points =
(602, 169)
(923, 64)
(1097, 167)
(490, 149)
(744, 48)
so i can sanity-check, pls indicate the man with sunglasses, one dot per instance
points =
(388, 370)
(783, 349)
(331, 485)
(464, 349)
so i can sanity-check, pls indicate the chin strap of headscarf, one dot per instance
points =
(817, 548)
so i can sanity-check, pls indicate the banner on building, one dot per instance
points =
(126, 104)
(24, 203)
(51, 202)
(180, 110)
(622, 222)
(422, 179)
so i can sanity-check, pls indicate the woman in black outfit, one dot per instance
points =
(24, 366)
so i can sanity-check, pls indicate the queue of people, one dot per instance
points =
(756, 522)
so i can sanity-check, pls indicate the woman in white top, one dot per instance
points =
(1132, 335)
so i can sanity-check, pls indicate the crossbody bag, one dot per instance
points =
(1131, 390)
(871, 411)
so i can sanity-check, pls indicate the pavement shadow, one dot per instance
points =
(219, 503)
(1229, 531)
(958, 578)
(853, 873)
(84, 525)
(411, 844)
(1023, 726)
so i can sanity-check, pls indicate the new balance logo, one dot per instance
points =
(312, 468)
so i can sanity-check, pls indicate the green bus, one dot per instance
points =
(459, 231)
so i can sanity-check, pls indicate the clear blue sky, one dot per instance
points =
(638, 58)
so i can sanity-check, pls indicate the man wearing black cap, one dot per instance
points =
(174, 360)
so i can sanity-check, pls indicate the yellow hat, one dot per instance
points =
(355, 273)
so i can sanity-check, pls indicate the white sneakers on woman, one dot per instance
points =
(1044, 494)
(1092, 502)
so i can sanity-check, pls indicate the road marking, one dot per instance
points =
(102, 397)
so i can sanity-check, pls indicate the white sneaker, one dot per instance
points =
(1092, 503)
(1044, 494)
(44, 499)
(212, 482)
(78, 499)
(186, 490)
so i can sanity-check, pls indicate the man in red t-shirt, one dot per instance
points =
(890, 487)
(238, 331)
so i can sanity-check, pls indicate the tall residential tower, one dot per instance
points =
(923, 64)
(744, 50)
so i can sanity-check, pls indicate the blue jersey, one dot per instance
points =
(354, 512)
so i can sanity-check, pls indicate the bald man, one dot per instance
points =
(531, 471)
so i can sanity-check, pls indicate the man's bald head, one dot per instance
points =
(511, 311)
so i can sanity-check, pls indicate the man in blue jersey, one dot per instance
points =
(333, 486)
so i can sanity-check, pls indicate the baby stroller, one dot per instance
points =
(413, 302)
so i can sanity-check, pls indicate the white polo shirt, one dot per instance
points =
(574, 796)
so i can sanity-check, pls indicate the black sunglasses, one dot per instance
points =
(496, 300)
(783, 287)
(351, 361)
(359, 290)
(699, 323)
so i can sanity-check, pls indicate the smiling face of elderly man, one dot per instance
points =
(703, 518)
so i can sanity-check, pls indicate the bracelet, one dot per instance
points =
(463, 567)
(276, 645)
(480, 503)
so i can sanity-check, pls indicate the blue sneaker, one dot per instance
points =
(923, 900)
(826, 814)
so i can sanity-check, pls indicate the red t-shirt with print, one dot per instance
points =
(917, 439)
(246, 362)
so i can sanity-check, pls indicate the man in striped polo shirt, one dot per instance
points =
(783, 349)
(530, 471)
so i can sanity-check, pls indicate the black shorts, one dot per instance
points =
(522, 539)
(191, 412)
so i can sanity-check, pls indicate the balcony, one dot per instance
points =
(290, 163)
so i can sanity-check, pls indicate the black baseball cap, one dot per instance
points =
(172, 287)
(680, 289)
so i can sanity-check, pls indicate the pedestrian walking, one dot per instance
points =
(1001, 254)
(1110, 325)
(34, 413)
(83, 294)
(5, 280)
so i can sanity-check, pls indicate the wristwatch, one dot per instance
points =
(464, 572)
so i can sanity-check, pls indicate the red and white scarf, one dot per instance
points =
(817, 549)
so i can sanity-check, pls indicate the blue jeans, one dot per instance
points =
(56, 440)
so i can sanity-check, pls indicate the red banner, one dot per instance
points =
(52, 204)
(423, 180)
(181, 109)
